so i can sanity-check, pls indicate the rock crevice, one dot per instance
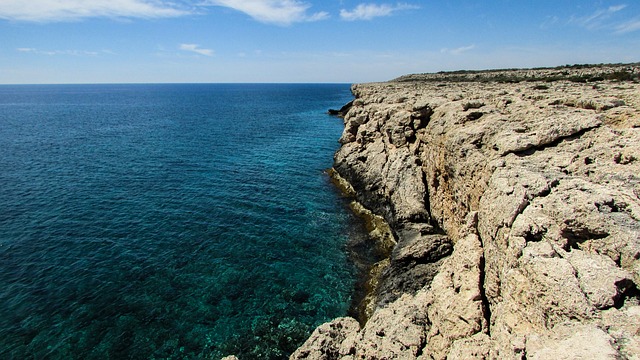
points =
(514, 213)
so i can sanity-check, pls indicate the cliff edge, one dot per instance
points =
(513, 203)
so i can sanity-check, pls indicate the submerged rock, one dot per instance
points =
(514, 208)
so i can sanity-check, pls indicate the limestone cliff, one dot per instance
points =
(513, 198)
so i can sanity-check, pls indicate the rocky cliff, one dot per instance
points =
(512, 200)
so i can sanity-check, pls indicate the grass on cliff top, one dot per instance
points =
(575, 73)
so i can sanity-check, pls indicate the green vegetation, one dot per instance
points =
(575, 73)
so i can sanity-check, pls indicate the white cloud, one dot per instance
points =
(70, 10)
(62, 52)
(616, 8)
(599, 18)
(458, 51)
(630, 26)
(611, 18)
(370, 11)
(196, 49)
(279, 12)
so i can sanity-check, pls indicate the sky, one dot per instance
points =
(309, 41)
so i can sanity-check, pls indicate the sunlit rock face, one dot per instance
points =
(514, 201)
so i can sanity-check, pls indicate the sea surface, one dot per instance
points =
(187, 221)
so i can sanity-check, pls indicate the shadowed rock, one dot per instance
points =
(342, 111)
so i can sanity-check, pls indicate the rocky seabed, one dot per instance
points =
(513, 213)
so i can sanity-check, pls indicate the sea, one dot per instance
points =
(170, 221)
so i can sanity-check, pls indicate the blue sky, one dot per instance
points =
(132, 41)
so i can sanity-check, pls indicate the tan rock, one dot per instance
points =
(455, 300)
(326, 341)
(551, 172)
(572, 341)
(396, 331)
(624, 326)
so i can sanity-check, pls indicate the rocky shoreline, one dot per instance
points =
(509, 205)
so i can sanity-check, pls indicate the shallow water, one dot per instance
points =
(169, 221)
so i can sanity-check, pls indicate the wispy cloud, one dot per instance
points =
(613, 19)
(549, 22)
(195, 48)
(62, 52)
(73, 10)
(371, 11)
(279, 12)
(601, 18)
(458, 51)
(629, 26)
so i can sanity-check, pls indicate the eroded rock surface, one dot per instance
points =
(515, 209)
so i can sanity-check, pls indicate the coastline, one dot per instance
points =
(512, 199)
(380, 240)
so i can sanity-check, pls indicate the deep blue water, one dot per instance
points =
(169, 221)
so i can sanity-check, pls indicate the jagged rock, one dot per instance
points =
(421, 248)
(326, 341)
(572, 342)
(514, 205)
(342, 111)
(414, 262)
(474, 347)
(624, 326)
(455, 303)
(396, 331)
(600, 278)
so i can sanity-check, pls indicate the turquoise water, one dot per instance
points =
(169, 221)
